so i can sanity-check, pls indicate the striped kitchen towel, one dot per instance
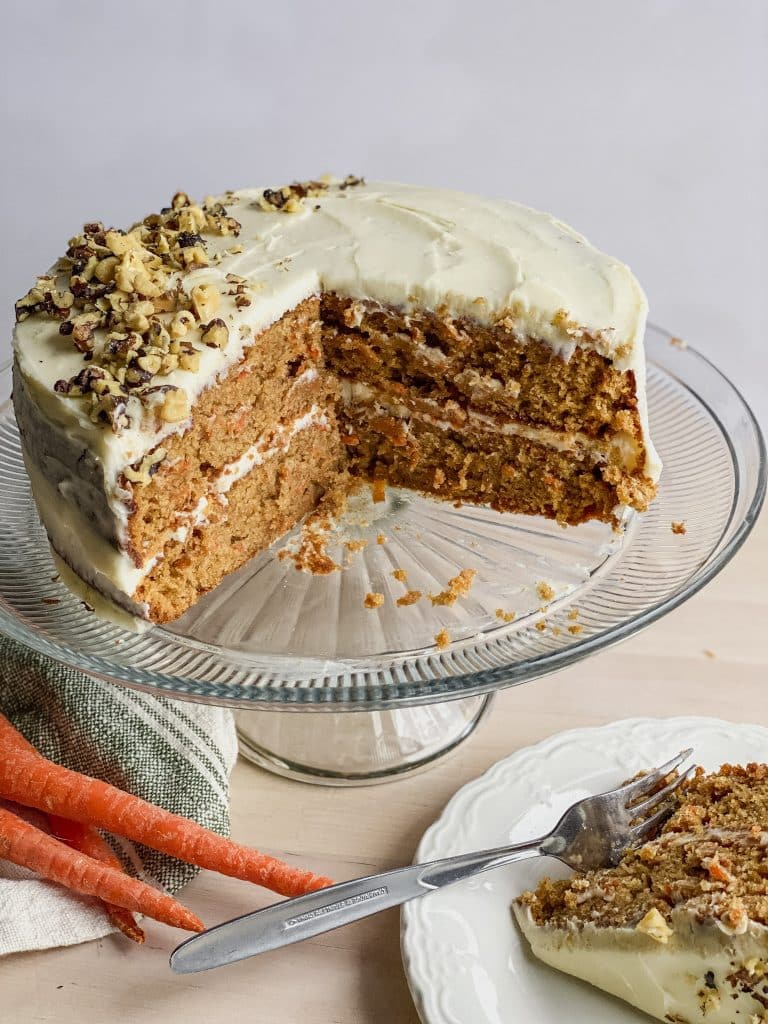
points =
(173, 753)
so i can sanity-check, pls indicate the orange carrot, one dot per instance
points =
(32, 848)
(88, 841)
(81, 837)
(11, 738)
(32, 780)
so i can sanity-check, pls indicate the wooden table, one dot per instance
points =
(709, 657)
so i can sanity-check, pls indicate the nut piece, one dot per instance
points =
(654, 926)
(175, 406)
(215, 334)
(181, 323)
(146, 469)
(205, 301)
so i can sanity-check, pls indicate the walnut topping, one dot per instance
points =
(127, 284)
(143, 472)
(290, 198)
(654, 926)
(205, 301)
(215, 334)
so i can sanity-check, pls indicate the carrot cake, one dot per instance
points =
(188, 389)
(680, 927)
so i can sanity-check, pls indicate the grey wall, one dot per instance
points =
(641, 123)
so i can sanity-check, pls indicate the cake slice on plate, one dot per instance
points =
(680, 927)
(187, 390)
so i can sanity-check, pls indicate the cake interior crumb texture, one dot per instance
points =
(201, 413)
(680, 926)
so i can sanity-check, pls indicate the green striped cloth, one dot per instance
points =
(173, 753)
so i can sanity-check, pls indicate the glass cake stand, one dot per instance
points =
(327, 690)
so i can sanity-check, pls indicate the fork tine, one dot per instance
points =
(650, 825)
(639, 810)
(641, 786)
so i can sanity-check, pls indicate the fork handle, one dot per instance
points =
(304, 916)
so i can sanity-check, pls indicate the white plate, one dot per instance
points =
(465, 959)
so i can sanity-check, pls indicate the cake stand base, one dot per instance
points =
(357, 748)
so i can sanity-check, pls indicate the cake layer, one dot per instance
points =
(490, 368)
(477, 458)
(279, 378)
(268, 499)
(509, 472)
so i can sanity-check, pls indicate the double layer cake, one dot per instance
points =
(189, 389)
(680, 927)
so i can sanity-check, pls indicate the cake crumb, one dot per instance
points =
(457, 587)
(442, 639)
(438, 479)
(381, 539)
(678, 526)
(678, 343)
(409, 597)
(373, 600)
(379, 489)
(573, 614)
(545, 591)
(401, 575)
(709, 654)
(355, 545)
(575, 630)
(505, 616)
(541, 625)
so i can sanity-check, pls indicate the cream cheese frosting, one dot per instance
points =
(401, 245)
(697, 973)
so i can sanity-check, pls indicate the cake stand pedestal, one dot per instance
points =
(357, 748)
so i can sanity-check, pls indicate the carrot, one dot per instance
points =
(11, 738)
(88, 841)
(32, 780)
(30, 847)
(81, 837)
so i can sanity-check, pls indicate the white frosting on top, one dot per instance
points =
(687, 978)
(401, 245)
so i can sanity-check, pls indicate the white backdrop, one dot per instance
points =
(641, 122)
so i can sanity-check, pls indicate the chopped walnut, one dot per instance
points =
(175, 406)
(654, 926)
(146, 469)
(678, 527)
(205, 301)
(215, 334)
(128, 284)
(373, 600)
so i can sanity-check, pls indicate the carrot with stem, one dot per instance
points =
(34, 781)
(80, 837)
(30, 847)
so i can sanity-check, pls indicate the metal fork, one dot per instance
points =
(593, 833)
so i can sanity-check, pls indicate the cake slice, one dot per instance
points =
(190, 388)
(680, 927)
